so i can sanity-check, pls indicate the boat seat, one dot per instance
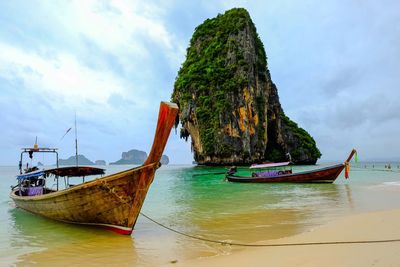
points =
(35, 191)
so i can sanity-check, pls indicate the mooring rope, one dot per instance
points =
(270, 245)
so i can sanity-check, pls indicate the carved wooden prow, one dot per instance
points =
(166, 119)
(351, 155)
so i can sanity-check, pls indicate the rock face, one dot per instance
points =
(131, 157)
(164, 160)
(100, 162)
(229, 105)
(137, 157)
(82, 160)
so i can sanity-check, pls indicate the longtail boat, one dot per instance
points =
(282, 173)
(112, 202)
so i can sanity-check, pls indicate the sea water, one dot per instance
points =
(199, 202)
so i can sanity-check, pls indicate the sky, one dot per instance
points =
(335, 63)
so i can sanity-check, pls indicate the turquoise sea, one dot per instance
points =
(196, 201)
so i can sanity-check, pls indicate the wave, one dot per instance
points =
(397, 183)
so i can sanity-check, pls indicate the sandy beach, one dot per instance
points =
(379, 225)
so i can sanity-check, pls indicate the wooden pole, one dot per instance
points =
(76, 143)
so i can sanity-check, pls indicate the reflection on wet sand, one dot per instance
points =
(100, 251)
(349, 196)
(49, 243)
(68, 245)
(248, 213)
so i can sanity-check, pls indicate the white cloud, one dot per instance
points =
(120, 29)
(62, 75)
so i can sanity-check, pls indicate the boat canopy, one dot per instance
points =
(75, 171)
(269, 165)
(72, 171)
(30, 175)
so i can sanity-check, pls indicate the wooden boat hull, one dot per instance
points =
(106, 202)
(324, 175)
(114, 201)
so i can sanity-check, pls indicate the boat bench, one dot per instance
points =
(35, 191)
(267, 174)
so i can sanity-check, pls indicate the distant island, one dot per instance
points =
(164, 160)
(138, 157)
(82, 160)
(134, 156)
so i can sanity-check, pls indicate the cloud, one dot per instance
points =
(335, 64)
(106, 43)
(375, 110)
(346, 78)
(96, 58)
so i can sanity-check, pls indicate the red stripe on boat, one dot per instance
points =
(117, 230)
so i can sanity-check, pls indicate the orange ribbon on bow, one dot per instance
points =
(346, 170)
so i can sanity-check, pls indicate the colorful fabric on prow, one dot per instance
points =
(346, 170)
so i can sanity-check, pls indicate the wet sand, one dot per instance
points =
(112, 251)
(368, 226)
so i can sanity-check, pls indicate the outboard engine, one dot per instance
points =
(232, 170)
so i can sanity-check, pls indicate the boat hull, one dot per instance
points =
(112, 202)
(323, 175)
(108, 202)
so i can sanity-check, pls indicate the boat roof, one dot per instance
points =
(39, 149)
(75, 171)
(29, 175)
(269, 165)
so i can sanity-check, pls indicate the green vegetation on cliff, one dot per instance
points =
(305, 143)
(214, 68)
(228, 103)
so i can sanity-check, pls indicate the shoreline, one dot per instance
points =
(377, 225)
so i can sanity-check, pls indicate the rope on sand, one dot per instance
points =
(270, 245)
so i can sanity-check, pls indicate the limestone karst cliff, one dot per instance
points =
(82, 160)
(135, 156)
(229, 105)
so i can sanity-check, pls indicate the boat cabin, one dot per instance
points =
(271, 169)
(32, 181)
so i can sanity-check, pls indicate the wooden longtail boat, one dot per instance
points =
(113, 201)
(323, 175)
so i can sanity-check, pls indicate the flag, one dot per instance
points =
(66, 133)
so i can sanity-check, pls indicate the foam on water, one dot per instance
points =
(396, 183)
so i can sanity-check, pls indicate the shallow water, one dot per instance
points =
(196, 201)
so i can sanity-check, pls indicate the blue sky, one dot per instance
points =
(335, 63)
